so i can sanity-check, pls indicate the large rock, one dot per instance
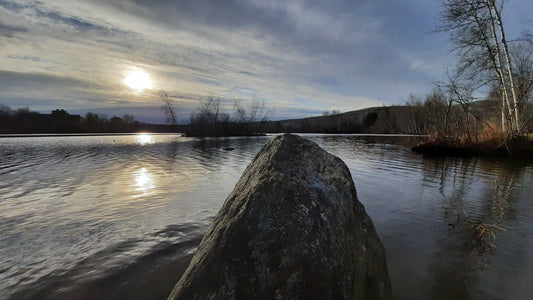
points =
(292, 228)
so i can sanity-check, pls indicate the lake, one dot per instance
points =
(120, 216)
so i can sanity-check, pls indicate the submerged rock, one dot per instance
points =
(292, 228)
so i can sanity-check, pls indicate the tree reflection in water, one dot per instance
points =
(476, 212)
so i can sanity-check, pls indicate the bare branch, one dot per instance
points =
(168, 108)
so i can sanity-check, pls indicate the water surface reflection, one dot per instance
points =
(145, 138)
(144, 181)
(117, 216)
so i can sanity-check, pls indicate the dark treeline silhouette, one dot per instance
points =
(250, 118)
(208, 119)
(23, 120)
(435, 115)
(374, 120)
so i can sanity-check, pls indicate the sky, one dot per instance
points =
(300, 57)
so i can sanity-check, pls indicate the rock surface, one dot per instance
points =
(292, 228)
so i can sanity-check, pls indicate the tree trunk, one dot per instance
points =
(509, 68)
(497, 61)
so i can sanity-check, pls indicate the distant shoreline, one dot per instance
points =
(12, 135)
(521, 147)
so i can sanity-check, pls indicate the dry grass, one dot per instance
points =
(486, 143)
(485, 140)
(484, 235)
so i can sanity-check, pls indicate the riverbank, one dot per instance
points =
(518, 147)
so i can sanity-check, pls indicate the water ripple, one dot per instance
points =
(78, 213)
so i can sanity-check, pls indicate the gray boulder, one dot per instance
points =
(292, 228)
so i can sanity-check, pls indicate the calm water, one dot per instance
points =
(119, 216)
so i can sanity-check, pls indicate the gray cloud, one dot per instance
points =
(11, 80)
(8, 30)
(13, 6)
(26, 57)
(39, 90)
(326, 54)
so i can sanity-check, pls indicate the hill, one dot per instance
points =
(384, 120)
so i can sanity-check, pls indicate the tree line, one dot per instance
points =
(23, 120)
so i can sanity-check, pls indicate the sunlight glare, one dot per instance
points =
(144, 181)
(138, 80)
(144, 139)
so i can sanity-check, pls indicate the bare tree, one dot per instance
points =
(437, 111)
(332, 113)
(414, 102)
(254, 112)
(128, 119)
(522, 58)
(4, 109)
(209, 119)
(209, 112)
(168, 109)
(476, 28)
(248, 116)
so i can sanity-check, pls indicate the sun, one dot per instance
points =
(138, 80)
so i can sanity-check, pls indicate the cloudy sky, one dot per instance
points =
(301, 57)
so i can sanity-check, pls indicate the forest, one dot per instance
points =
(25, 121)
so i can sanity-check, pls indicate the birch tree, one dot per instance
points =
(477, 30)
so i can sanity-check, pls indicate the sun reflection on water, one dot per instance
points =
(144, 181)
(144, 139)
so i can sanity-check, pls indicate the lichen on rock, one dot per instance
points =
(292, 228)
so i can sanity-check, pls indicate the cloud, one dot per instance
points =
(8, 30)
(16, 89)
(331, 54)
(26, 57)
